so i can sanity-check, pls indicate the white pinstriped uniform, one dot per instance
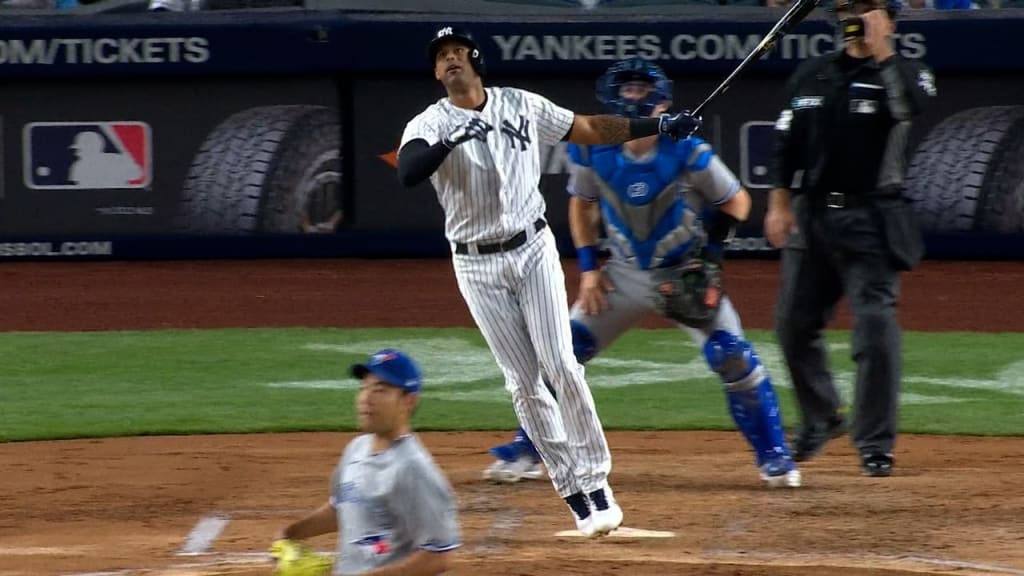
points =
(489, 192)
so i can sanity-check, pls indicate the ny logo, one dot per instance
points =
(446, 31)
(522, 134)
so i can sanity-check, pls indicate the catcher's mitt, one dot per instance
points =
(692, 297)
(292, 558)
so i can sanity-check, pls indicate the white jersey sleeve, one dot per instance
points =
(425, 126)
(553, 121)
(706, 173)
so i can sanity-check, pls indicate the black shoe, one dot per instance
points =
(877, 464)
(811, 438)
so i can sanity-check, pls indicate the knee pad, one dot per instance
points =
(733, 359)
(584, 345)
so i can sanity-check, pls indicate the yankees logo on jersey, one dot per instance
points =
(500, 172)
(520, 134)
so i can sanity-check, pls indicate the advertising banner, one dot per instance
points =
(136, 136)
(160, 157)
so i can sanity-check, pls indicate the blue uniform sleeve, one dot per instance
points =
(705, 172)
(579, 155)
(694, 153)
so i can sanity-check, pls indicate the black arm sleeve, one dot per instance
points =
(417, 161)
(721, 228)
(910, 87)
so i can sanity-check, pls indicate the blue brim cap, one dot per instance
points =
(391, 366)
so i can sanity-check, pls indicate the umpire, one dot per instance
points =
(838, 212)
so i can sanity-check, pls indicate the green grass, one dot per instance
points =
(66, 385)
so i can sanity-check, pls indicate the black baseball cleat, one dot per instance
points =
(877, 464)
(811, 438)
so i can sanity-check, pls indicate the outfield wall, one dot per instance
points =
(272, 133)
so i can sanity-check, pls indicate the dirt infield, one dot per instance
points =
(126, 506)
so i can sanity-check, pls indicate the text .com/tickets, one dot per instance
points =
(678, 47)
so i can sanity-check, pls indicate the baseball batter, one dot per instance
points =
(480, 148)
(394, 508)
(653, 195)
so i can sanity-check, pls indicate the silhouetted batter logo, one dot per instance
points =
(87, 156)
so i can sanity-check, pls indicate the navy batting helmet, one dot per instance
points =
(462, 36)
(609, 87)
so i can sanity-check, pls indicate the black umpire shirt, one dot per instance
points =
(847, 122)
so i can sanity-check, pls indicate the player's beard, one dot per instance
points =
(459, 83)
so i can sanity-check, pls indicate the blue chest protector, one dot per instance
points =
(645, 214)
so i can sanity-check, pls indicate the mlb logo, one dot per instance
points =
(87, 155)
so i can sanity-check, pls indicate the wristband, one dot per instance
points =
(588, 258)
(641, 127)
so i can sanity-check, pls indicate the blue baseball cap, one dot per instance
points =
(391, 366)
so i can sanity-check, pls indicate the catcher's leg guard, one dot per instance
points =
(748, 389)
(584, 346)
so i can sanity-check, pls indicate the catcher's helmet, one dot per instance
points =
(462, 36)
(609, 86)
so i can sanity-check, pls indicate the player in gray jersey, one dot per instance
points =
(668, 208)
(393, 509)
(480, 148)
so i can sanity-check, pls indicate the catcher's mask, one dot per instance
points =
(846, 15)
(610, 88)
(462, 36)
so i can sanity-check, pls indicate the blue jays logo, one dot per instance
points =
(638, 189)
(87, 155)
(375, 545)
(383, 357)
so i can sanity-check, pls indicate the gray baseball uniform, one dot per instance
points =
(672, 184)
(488, 188)
(390, 504)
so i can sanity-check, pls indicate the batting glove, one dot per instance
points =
(681, 125)
(475, 128)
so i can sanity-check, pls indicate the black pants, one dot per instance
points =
(842, 252)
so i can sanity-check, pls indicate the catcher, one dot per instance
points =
(669, 208)
(394, 507)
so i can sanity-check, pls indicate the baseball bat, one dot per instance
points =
(796, 13)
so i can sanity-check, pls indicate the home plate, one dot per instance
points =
(622, 532)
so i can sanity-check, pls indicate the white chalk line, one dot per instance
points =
(228, 559)
(204, 534)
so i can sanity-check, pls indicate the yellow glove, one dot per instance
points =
(292, 558)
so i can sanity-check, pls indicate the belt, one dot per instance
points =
(510, 244)
(843, 201)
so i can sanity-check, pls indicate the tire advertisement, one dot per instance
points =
(199, 138)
